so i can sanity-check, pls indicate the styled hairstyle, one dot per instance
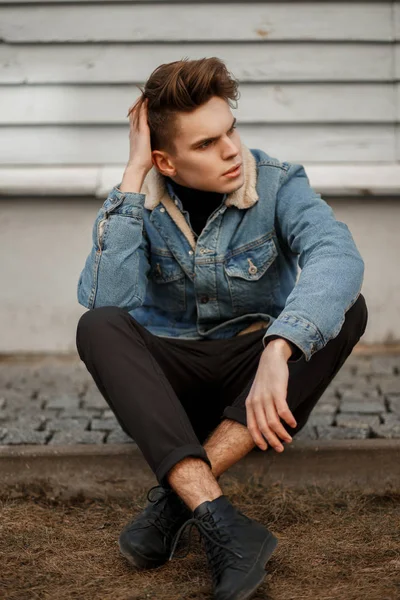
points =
(182, 86)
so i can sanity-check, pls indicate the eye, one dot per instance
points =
(203, 145)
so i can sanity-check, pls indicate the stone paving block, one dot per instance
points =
(33, 423)
(388, 431)
(394, 403)
(381, 365)
(363, 367)
(308, 432)
(72, 413)
(10, 396)
(65, 401)
(391, 418)
(25, 436)
(356, 420)
(104, 424)
(107, 414)
(94, 400)
(315, 419)
(344, 382)
(359, 394)
(79, 423)
(325, 409)
(390, 385)
(329, 397)
(118, 436)
(342, 433)
(25, 412)
(19, 377)
(77, 437)
(366, 407)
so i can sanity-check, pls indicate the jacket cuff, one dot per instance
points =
(297, 330)
(133, 201)
(296, 352)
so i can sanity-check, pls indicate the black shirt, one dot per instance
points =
(200, 204)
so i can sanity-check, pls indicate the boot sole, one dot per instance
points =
(255, 577)
(139, 561)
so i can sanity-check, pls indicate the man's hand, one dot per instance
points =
(266, 402)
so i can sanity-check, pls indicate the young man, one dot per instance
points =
(198, 335)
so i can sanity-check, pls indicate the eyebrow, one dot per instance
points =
(210, 139)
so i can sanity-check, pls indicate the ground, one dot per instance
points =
(55, 401)
(331, 545)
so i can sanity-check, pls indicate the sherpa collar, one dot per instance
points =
(155, 189)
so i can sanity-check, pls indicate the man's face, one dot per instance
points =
(200, 162)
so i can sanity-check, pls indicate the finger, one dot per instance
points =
(135, 118)
(253, 428)
(285, 413)
(274, 423)
(133, 106)
(264, 427)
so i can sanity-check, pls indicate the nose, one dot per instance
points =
(230, 148)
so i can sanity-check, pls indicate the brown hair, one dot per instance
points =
(182, 86)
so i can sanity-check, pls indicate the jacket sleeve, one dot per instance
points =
(116, 269)
(332, 269)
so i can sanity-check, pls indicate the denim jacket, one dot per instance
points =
(241, 273)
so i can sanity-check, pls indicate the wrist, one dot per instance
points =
(136, 167)
(281, 347)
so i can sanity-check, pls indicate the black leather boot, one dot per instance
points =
(237, 548)
(146, 541)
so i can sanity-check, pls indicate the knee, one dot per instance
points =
(356, 319)
(95, 321)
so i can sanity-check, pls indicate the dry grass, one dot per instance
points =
(332, 545)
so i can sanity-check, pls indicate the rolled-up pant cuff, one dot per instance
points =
(236, 413)
(175, 456)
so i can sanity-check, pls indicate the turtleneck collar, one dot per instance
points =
(188, 195)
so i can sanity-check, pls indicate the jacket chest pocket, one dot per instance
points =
(252, 275)
(166, 283)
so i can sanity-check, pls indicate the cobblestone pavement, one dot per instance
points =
(57, 402)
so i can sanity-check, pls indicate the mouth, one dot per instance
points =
(234, 171)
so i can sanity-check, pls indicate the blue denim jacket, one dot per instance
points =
(240, 273)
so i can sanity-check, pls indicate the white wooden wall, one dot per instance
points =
(318, 85)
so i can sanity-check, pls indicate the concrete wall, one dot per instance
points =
(44, 243)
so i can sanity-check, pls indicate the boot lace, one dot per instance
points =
(216, 549)
(163, 523)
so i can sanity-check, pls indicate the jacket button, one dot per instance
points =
(253, 270)
(204, 299)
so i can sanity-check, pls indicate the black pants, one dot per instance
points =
(169, 394)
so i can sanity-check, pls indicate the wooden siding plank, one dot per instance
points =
(307, 21)
(94, 145)
(127, 63)
(36, 2)
(263, 103)
(396, 19)
(330, 179)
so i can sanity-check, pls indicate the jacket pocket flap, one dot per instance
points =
(165, 269)
(251, 262)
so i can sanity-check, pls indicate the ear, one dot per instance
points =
(163, 163)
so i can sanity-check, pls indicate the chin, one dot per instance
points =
(235, 184)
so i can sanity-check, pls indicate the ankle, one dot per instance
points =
(194, 482)
(207, 498)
